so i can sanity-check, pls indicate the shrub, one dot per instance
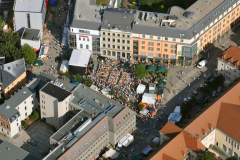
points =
(24, 125)
(34, 116)
(167, 71)
(153, 74)
(159, 74)
(166, 74)
(140, 107)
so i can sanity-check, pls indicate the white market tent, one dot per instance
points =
(149, 98)
(141, 88)
(177, 109)
(64, 66)
(79, 58)
(144, 111)
(156, 140)
(175, 117)
(111, 153)
(126, 140)
(93, 87)
(105, 91)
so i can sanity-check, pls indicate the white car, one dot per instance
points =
(202, 64)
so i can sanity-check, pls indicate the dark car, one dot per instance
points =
(32, 142)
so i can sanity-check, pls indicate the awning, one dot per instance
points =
(177, 109)
(151, 68)
(151, 109)
(175, 117)
(111, 153)
(141, 88)
(149, 98)
(64, 65)
(154, 113)
(162, 81)
(161, 69)
(137, 157)
(156, 140)
(146, 150)
(95, 88)
(79, 58)
(38, 62)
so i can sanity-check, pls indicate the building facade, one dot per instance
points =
(228, 63)
(29, 14)
(54, 104)
(13, 77)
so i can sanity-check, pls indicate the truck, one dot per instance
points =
(125, 141)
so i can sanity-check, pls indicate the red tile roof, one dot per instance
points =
(223, 114)
(232, 55)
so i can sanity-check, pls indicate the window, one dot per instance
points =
(123, 54)
(26, 114)
(118, 35)
(28, 20)
(128, 48)
(174, 39)
(123, 47)
(102, 33)
(25, 102)
(158, 49)
(175, 46)
(104, 45)
(103, 39)
(158, 44)
(143, 47)
(109, 34)
(118, 40)
(143, 42)
(128, 42)
(165, 45)
(171, 51)
(123, 41)
(113, 40)
(165, 50)
(25, 107)
(143, 36)
(166, 39)
(181, 40)
(149, 48)
(83, 39)
(87, 46)
(79, 38)
(171, 46)
(113, 34)
(151, 37)
(149, 43)
(87, 39)
(109, 39)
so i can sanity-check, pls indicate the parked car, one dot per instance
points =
(32, 142)
(202, 64)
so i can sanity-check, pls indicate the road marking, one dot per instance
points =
(42, 136)
(34, 127)
(45, 133)
(51, 132)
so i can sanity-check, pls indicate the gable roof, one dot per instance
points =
(167, 157)
(11, 71)
(193, 143)
(232, 55)
(170, 130)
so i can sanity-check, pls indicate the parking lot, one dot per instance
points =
(38, 132)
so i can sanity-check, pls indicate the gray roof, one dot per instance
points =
(56, 91)
(13, 102)
(120, 19)
(28, 5)
(86, 24)
(9, 151)
(11, 71)
(204, 12)
(31, 34)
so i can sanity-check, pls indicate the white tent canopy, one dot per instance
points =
(79, 58)
(93, 87)
(149, 98)
(156, 140)
(141, 88)
(177, 109)
(111, 153)
(144, 112)
(64, 65)
(175, 117)
(105, 91)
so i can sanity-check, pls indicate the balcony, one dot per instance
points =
(219, 151)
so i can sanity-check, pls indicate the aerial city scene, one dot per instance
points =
(120, 80)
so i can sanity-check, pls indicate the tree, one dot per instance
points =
(121, 97)
(161, 9)
(140, 107)
(67, 74)
(28, 53)
(78, 78)
(144, 2)
(34, 116)
(141, 71)
(206, 89)
(131, 102)
(206, 155)
(88, 82)
(111, 92)
(156, 1)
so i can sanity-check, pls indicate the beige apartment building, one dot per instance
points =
(116, 33)
(228, 63)
(54, 104)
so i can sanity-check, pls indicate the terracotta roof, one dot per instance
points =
(223, 114)
(209, 118)
(167, 157)
(229, 116)
(232, 55)
(170, 130)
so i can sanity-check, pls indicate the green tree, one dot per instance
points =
(28, 53)
(78, 78)
(111, 92)
(156, 1)
(1, 20)
(67, 74)
(24, 125)
(121, 97)
(131, 102)
(88, 82)
(34, 116)
(144, 2)
(161, 9)
(141, 72)
(206, 89)
(206, 155)
(140, 107)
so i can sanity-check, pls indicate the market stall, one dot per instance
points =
(149, 98)
(111, 154)
(141, 88)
